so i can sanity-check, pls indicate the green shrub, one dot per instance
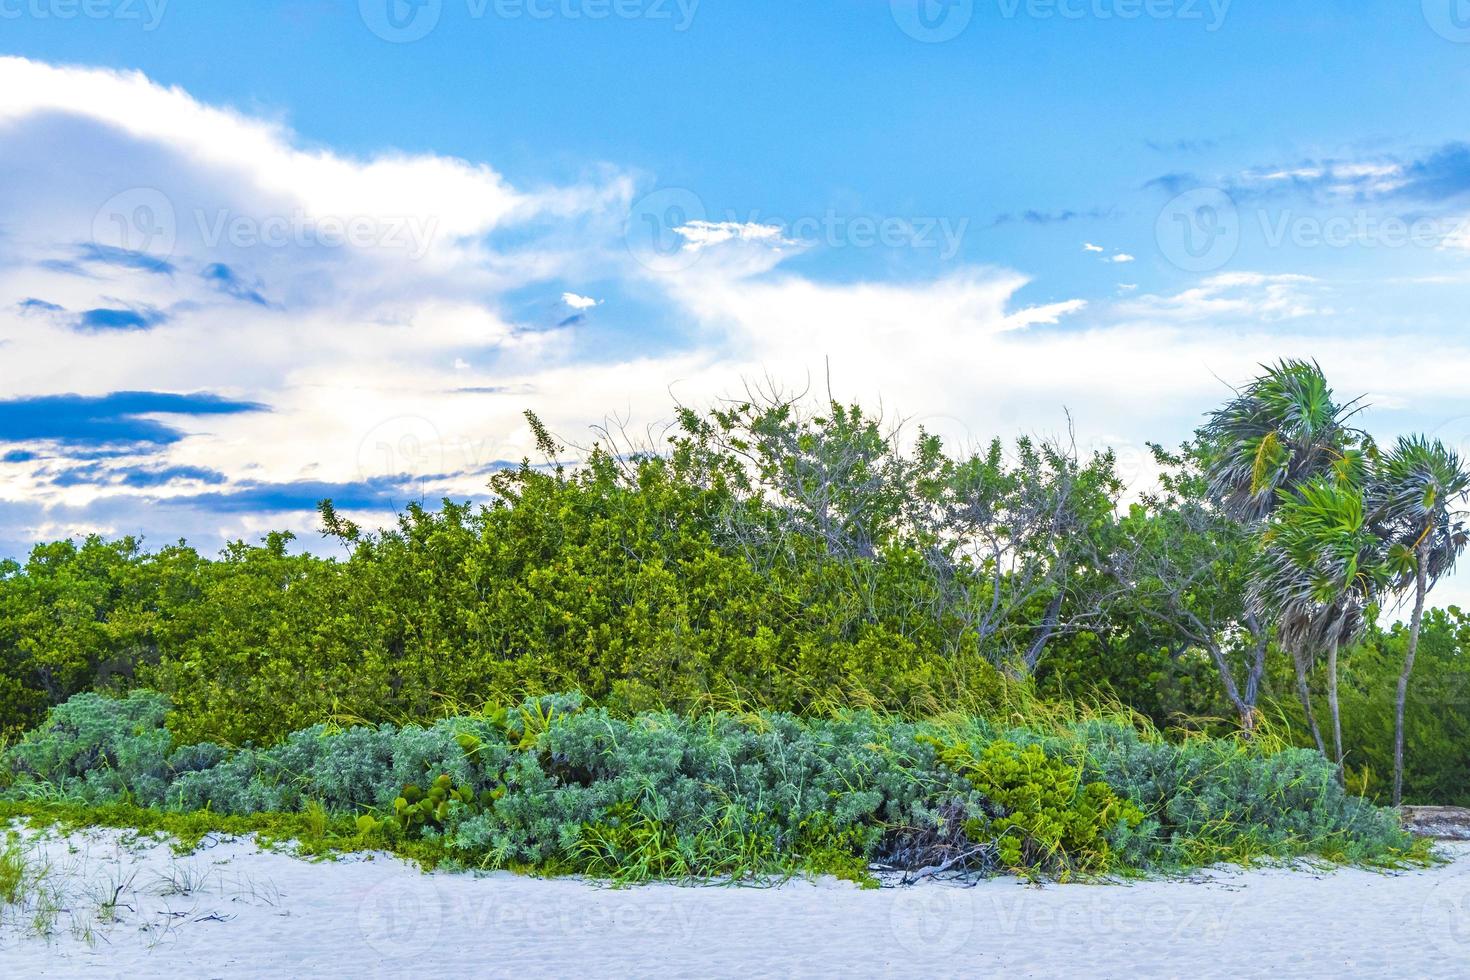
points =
(1045, 817)
(549, 784)
(101, 749)
(1222, 799)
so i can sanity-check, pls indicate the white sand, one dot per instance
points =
(231, 910)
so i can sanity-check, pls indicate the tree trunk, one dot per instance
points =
(1245, 708)
(1253, 676)
(1048, 626)
(1333, 705)
(1421, 586)
(1258, 660)
(1305, 693)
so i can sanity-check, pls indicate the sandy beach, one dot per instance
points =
(232, 910)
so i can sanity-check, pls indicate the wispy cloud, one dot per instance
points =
(1036, 217)
(1181, 145)
(703, 234)
(1437, 175)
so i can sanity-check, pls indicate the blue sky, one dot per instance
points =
(255, 251)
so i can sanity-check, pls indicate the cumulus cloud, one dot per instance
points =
(462, 199)
(208, 254)
(371, 328)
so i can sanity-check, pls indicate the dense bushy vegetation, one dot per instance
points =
(554, 786)
(767, 558)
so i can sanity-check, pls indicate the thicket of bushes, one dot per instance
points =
(761, 557)
(671, 580)
(554, 786)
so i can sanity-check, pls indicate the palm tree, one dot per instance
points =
(1281, 431)
(1319, 572)
(1417, 496)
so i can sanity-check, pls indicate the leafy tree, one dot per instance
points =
(1436, 716)
(1185, 565)
(76, 615)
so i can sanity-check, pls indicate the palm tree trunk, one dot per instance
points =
(1332, 703)
(1421, 586)
(1305, 693)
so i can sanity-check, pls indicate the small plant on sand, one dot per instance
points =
(13, 867)
(29, 897)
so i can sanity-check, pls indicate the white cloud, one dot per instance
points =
(579, 302)
(1121, 257)
(703, 234)
(1340, 178)
(1089, 247)
(349, 333)
(375, 363)
(1233, 296)
(462, 198)
(1459, 236)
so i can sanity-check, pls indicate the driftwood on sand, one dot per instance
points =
(1442, 822)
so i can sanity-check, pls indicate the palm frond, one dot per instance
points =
(1281, 429)
(1417, 500)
